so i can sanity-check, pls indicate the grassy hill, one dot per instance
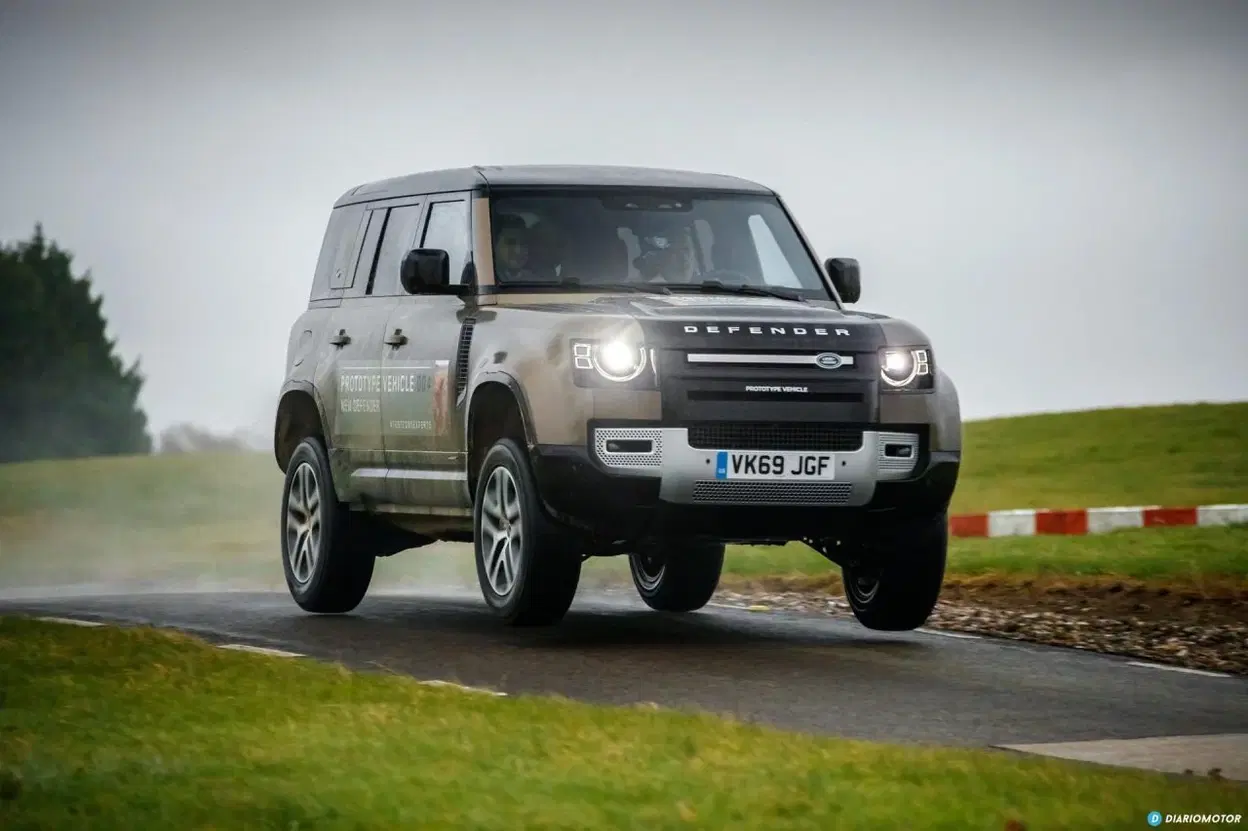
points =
(1194, 454)
(215, 516)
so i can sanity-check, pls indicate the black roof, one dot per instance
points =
(470, 178)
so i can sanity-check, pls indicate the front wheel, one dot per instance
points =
(527, 567)
(677, 575)
(895, 585)
(327, 569)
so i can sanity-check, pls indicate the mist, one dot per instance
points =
(1054, 191)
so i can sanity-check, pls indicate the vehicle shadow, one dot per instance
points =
(596, 627)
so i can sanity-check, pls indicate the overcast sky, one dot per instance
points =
(1056, 192)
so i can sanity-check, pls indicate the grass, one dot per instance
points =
(213, 519)
(136, 728)
(1192, 454)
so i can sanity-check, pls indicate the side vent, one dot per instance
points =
(461, 356)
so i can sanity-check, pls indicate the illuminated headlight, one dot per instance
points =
(906, 368)
(615, 360)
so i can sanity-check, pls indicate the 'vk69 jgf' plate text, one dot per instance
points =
(763, 465)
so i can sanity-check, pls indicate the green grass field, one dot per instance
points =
(1195, 454)
(213, 519)
(135, 728)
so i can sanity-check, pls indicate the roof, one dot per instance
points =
(469, 178)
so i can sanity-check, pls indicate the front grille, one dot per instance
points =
(775, 436)
(776, 493)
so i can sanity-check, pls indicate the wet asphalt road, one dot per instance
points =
(807, 673)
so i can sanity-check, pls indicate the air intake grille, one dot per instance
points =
(774, 493)
(461, 356)
(773, 436)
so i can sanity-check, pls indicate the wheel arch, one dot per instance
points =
(497, 408)
(947, 414)
(300, 414)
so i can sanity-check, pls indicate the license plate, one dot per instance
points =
(731, 464)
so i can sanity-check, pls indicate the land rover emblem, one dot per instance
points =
(828, 360)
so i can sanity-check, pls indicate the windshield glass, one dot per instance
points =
(649, 238)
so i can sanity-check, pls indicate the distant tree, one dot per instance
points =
(65, 393)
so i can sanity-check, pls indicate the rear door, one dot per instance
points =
(421, 430)
(350, 376)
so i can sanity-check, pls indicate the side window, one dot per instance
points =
(359, 280)
(344, 261)
(447, 228)
(396, 240)
(330, 243)
(776, 268)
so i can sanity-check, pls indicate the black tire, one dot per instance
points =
(341, 568)
(896, 588)
(677, 575)
(545, 564)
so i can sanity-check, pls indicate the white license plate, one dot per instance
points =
(753, 464)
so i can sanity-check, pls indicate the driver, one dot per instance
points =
(667, 255)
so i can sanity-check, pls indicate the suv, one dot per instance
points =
(560, 362)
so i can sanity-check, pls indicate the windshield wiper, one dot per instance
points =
(573, 284)
(713, 286)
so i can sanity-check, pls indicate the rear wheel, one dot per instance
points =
(528, 567)
(676, 575)
(895, 586)
(326, 568)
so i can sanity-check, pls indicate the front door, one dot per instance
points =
(421, 429)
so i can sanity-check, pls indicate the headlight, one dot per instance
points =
(906, 369)
(617, 360)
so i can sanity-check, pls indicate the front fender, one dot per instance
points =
(498, 376)
(947, 414)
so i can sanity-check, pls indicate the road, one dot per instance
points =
(813, 674)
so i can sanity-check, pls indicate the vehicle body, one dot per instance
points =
(558, 362)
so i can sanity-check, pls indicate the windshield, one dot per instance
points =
(664, 241)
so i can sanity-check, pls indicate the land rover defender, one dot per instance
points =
(559, 362)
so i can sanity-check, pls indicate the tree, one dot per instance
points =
(65, 393)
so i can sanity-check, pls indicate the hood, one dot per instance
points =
(725, 321)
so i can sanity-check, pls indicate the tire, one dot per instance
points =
(528, 569)
(327, 570)
(897, 589)
(677, 575)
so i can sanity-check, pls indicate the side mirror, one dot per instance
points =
(425, 270)
(845, 277)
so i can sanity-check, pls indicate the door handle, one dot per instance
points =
(397, 338)
(340, 339)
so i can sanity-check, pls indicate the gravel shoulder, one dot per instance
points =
(1159, 624)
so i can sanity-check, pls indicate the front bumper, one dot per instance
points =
(637, 480)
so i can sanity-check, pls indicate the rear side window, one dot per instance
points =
(349, 249)
(396, 240)
(358, 283)
(338, 247)
(329, 250)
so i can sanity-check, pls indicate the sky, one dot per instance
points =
(1055, 192)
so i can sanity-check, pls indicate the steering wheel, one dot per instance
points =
(720, 273)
